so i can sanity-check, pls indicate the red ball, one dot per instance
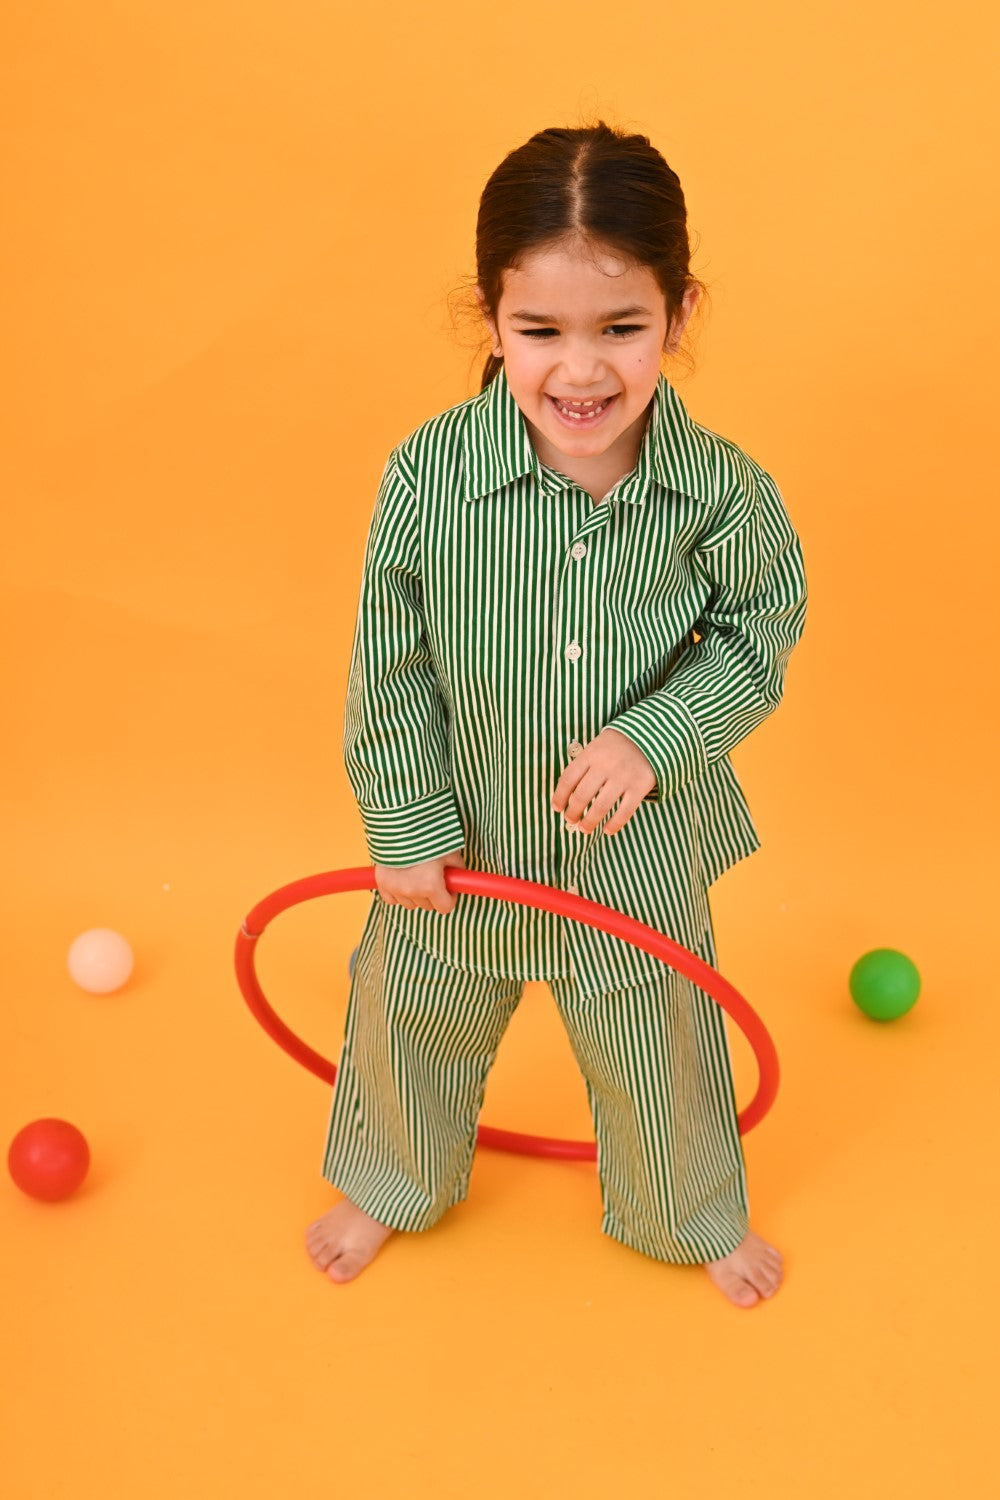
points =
(49, 1159)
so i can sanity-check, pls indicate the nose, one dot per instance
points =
(582, 364)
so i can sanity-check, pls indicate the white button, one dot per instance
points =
(574, 749)
(573, 651)
(578, 550)
(573, 890)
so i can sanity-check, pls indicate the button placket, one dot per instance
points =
(573, 611)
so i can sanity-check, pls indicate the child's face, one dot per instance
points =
(574, 327)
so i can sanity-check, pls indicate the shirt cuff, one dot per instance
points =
(668, 737)
(420, 831)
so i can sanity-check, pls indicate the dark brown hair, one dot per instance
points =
(594, 184)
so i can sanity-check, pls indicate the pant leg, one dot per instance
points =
(656, 1062)
(420, 1039)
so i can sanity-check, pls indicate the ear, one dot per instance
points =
(688, 304)
(491, 325)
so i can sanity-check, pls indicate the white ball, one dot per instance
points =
(100, 961)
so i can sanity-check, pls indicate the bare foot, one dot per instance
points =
(344, 1240)
(751, 1271)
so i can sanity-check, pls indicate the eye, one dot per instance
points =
(618, 330)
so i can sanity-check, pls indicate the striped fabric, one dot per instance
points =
(505, 619)
(421, 1038)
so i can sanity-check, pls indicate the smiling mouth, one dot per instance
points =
(582, 413)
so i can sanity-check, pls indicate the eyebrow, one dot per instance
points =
(609, 317)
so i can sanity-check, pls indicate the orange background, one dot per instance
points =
(236, 229)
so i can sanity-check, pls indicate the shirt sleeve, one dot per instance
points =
(726, 683)
(396, 733)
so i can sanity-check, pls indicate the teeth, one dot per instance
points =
(577, 414)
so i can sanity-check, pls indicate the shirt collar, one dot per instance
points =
(675, 452)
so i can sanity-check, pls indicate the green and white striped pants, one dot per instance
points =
(421, 1037)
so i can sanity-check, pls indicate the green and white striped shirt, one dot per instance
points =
(505, 619)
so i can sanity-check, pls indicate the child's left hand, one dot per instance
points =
(610, 769)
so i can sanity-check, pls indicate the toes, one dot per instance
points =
(767, 1281)
(752, 1271)
(734, 1285)
(766, 1267)
(320, 1248)
(321, 1255)
(741, 1291)
(315, 1234)
(344, 1267)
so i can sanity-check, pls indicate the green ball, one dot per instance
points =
(884, 984)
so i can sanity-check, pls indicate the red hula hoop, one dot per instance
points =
(526, 893)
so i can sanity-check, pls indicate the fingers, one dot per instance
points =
(599, 808)
(419, 887)
(589, 794)
(442, 900)
(586, 789)
(593, 797)
(610, 772)
(626, 808)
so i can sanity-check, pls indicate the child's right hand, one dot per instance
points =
(419, 885)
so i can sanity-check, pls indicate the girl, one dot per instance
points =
(575, 602)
